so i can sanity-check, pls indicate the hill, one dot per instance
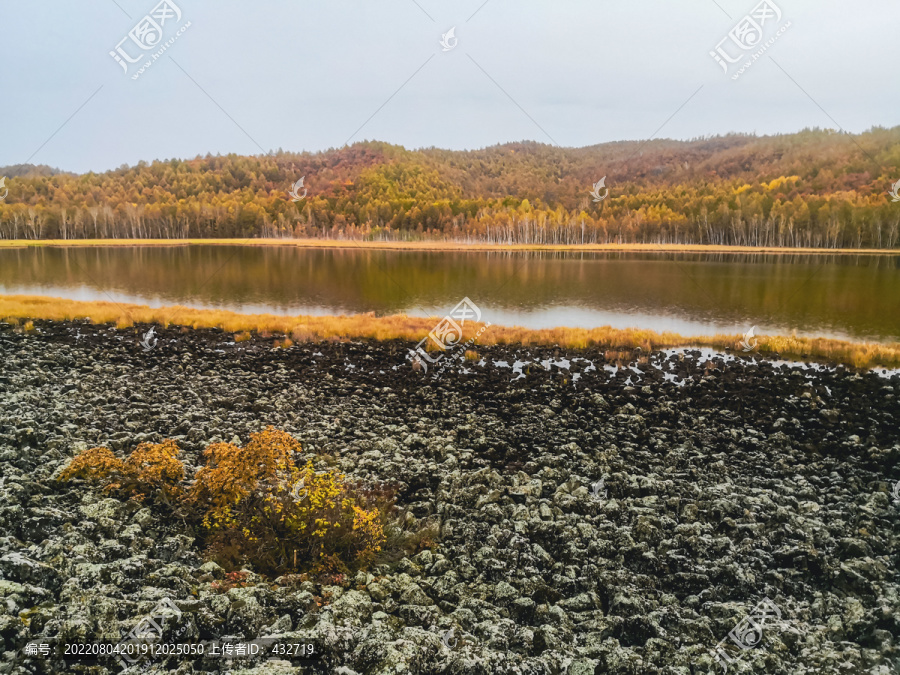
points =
(815, 188)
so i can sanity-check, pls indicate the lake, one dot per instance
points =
(853, 297)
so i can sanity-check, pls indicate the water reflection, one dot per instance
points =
(845, 296)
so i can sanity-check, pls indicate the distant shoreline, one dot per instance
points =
(23, 310)
(443, 246)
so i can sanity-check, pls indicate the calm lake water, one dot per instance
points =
(850, 296)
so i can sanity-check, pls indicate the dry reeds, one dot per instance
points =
(618, 342)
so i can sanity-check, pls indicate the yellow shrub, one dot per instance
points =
(301, 334)
(259, 507)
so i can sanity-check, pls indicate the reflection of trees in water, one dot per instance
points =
(876, 260)
(850, 292)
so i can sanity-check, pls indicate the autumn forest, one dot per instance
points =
(816, 188)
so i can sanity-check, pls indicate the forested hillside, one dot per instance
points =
(815, 188)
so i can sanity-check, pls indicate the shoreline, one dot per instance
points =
(17, 309)
(446, 246)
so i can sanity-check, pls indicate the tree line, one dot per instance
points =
(816, 188)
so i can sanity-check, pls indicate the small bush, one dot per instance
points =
(258, 505)
(95, 464)
(153, 468)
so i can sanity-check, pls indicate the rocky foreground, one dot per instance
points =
(724, 481)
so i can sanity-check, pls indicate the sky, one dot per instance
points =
(309, 75)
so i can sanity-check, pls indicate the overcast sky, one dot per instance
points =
(249, 77)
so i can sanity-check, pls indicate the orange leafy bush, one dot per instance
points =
(155, 466)
(152, 467)
(232, 473)
(93, 465)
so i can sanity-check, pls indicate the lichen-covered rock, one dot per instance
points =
(763, 480)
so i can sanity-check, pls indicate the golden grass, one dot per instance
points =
(16, 308)
(436, 246)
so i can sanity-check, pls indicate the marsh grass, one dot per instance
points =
(619, 344)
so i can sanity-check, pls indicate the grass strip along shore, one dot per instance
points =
(447, 246)
(22, 310)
